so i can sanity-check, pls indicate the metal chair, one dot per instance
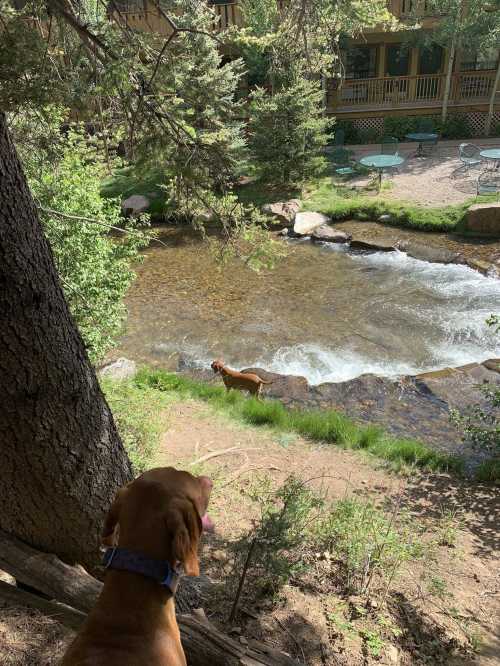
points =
(469, 155)
(389, 145)
(426, 126)
(488, 182)
(342, 161)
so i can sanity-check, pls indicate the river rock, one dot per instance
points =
(306, 223)
(483, 219)
(430, 253)
(377, 245)
(328, 234)
(120, 369)
(287, 388)
(283, 212)
(135, 205)
(484, 267)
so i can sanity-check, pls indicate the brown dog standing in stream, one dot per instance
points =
(244, 381)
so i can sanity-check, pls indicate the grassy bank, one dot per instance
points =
(325, 426)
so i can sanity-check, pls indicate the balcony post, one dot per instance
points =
(412, 88)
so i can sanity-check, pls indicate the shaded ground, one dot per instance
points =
(303, 618)
(433, 181)
(299, 618)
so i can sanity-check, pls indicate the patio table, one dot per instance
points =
(492, 154)
(381, 162)
(421, 137)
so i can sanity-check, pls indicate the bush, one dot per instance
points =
(456, 126)
(137, 413)
(65, 176)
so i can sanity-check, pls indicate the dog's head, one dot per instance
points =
(162, 514)
(217, 365)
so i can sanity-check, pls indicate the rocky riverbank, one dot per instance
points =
(416, 406)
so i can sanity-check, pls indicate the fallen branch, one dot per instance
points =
(13, 596)
(223, 452)
(44, 572)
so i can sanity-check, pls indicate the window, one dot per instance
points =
(472, 60)
(397, 60)
(430, 60)
(361, 62)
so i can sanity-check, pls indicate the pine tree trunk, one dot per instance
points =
(61, 457)
(491, 107)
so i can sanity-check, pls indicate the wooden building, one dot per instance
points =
(382, 74)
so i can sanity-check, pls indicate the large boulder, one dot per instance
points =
(306, 223)
(483, 219)
(328, 234)
(135, 205)
(120, 369)
(282, 212)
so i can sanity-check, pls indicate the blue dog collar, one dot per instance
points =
(161, 571)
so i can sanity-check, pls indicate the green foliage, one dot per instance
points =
(285, 515)
(318, 425)
(287, 131)
(374, 644)
(367, 543)
(137, 411)
(95, 268)
(456, 126)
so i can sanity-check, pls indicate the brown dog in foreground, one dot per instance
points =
(245, 381)
(160, 517)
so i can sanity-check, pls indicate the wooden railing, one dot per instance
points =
(415, 8)
(412, 90)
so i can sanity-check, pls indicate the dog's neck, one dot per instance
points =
(137, 602)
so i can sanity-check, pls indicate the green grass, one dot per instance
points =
(326, 426)
(125, 182)
(489, 471)
(339, 203)
(137, 410)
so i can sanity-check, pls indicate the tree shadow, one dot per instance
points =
(478, 504)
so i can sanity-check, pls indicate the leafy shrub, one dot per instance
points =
(137, 413)
(65, 177)
(455, 127)
(351, 132)
(366, 542)
(399, 126)
(370, 135)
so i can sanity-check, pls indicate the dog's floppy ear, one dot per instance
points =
(184, 530)
(112, 520)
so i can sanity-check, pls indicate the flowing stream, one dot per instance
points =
(324, 312)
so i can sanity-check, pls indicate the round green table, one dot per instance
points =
(381, 162)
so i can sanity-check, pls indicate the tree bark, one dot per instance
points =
(447, 83)
(491, 107)
(62, 458)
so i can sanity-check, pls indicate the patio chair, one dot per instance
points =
(342, 162)
(488, 182)
(426, 126)
(389, 145)
(469, 155)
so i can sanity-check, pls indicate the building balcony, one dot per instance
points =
(408, 92)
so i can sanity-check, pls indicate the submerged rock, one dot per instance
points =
(430, 253)
(328, 234)
(378, 245)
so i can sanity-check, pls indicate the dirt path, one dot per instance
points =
(317, 624)
(234, 456)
